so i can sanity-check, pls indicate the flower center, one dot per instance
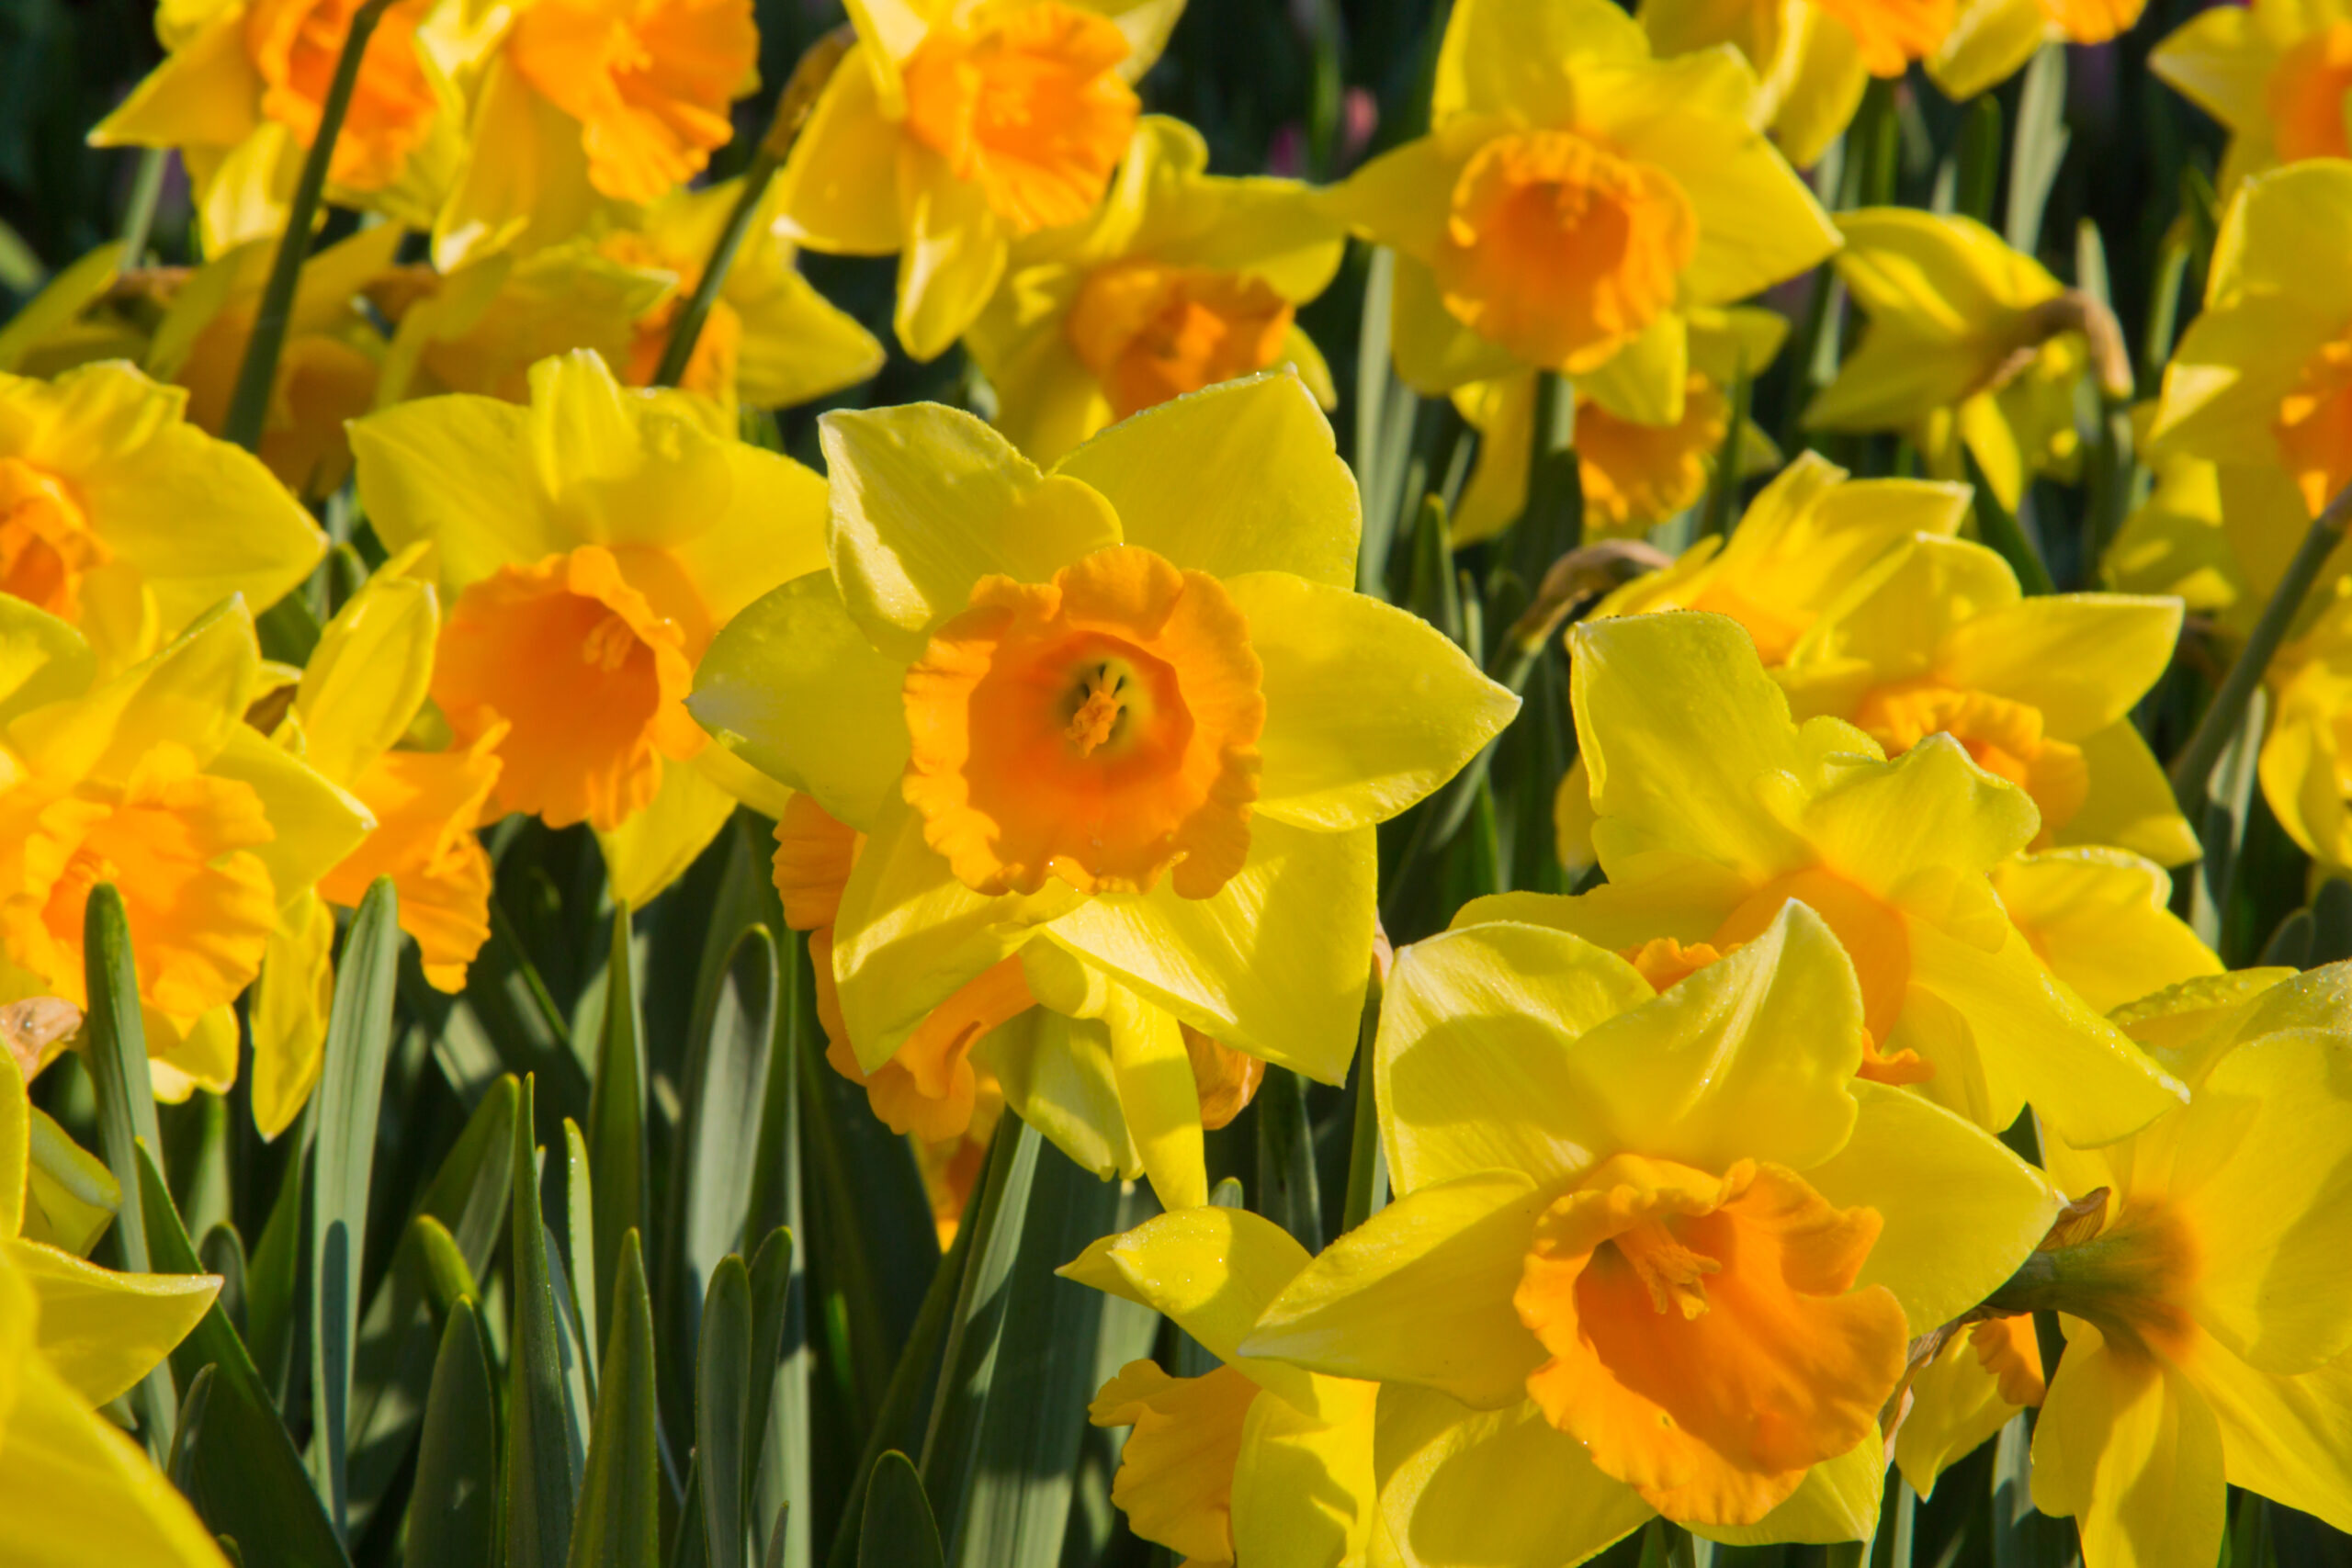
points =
(590, 676)
(1102, 729)
(1707, 1343)
(2315, 423)
(1893, 33)
(2304, 94)
(1032, 109)
(46, 545)
(2003, 737)
(648, 80)
(1151, 332)
(294, 44)
(1635, 474)
(1875, 938)
(1559, 250)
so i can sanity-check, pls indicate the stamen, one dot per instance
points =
(608, 644)
(1670, 1270)
(1097, 714)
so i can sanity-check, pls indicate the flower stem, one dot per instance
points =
(139, 217)
(2191, 768)
(797, 101)
(249, 405)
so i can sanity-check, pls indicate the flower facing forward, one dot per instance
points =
(2275, 73)
(593, 541)
(1254, 1461)
(241, 89)
(153, 780)
(1713, 807)
(1650, 1252)
(74, 1489)
(591, 107)
(949, 132)
(1970, 344)
(2206, 1339)
(119, 516)
(1180, 280)
(1573, 201)
(1936, 639)
(1117, 732)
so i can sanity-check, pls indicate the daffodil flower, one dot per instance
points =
(152, 780)
(1573, 201)
(2206, 1339)
(1117, 734)
(1938, 639)
(240, 94)
(1650, 1252)
(73, 1490)
(1634, 474)
(1813, 58)
(2273, 73)
(119, 516)
(2102, 919)
(1969, 343)
(593, 543)
(361, 693)
(1180, 280)
(1968, 1392)
(589, 109)
(1715, 808)
(2264, 374)
(1992, 41)
(1255, 1462)
(950, 131)
(2306, 757)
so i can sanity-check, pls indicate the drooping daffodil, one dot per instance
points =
(1180, 279)
(1650, 1253)
(1573, 201)
(119, 516)
(1254, 1461)
(1117, 733)
(948, 133)
(593, 542)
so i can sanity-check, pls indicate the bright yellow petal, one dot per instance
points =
(1159, 1097)
(1990, 41)
(1210, 1271)
(100, 1331)
(772, 531)
(1820, 100)
(1837, 1500)
(797, 345)
(954, 256)
(1434, 353)
(2084, 660)
(317, 824)
(369, 675)
(2289, 1439)
(288, 1015)
(526, 180)
(1302, 1487)
(2139, 1453)
(53, 311)
(2099, 918)
(653, 847)
(839, 187)
(1503, 411)
(1956, 1404)
(1056, 1074)
(1517, 57)
(2132, 803)
(71, 1197)
(193, 692)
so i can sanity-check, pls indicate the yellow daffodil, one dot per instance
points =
(1650, 1252)
(1118, 734)
(1938, 639)
(1255, 1462)
(240, 93)
(1573, 201)
(2264, 374)
(1713, 807)
(119, 516)
(1969, 343)
(949, 132)
(1634, 474)
(2206, 1339)
(591, 541)
(1813, 58)
(591, 107)
(1981, 1377)
(153, 780)
(480, 329)
(1992, 41)
(2099, 918)
(2306, 759)
(2273, 71)
(1180, 280)
(75, 1492)
(361, 694)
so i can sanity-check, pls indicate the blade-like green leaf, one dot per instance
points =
(776, 1422)
(616, 1121)
(689, 1542)
(723, 1373)
(181, 1466)
(448, 1279)
(453, 1508)
(914, 1382)
(1288, 1192)
(274, 1281)
(351, 1083)
(542, 1440)
(246, 1479)
(720, 1127)
(620, 1523)
(898, 1529)
(581, 1249)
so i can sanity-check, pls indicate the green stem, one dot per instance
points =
(1723, 494)
(139, 219)
(249, 405)
(2195, 764)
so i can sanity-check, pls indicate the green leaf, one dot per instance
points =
(272, 1282)
(775, 1424)
(907, 1402)
(899, 1530)
(453, 1508)
(449, 1280)
(542, 1434)
(1288, 1192)
(244, 1477)
(581, 1250)
(723, 1367)
(616, 1121)
(718, 1127)
(2040, 146)
(689, 1543)
(181, 1465)
(351, 1085)
(619, 1522)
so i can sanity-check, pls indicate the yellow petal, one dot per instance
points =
(1956, 1404)
(1454, 1485)
(1161, 1102)
(839, 187)
(1057, 1076)
(193, 692)
(1821, 96)
(1242, 476)
(954, 255)
(1990, 41)
(772, 531)
(317, 824)
(1503, 412)
(1515, 57)
(42, 660)
(2131, 803)
(524, 184)
(71, 1197)
(1837, 1500)
(2140, 1455)
(2289, 1439)
(1211, 1271)
(797, 345)
(369, 674)
(1303, 1485)
(653, 847)
(1646, 380)
(54, 311)
(290, 1010)
(100, 1332)
(2099, 919)
(2084, 660)
(1434, 353)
